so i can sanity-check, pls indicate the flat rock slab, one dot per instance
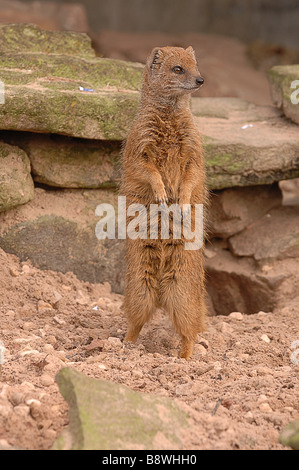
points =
(42, 86)
(284, 85)
(232, 210)
(16, 184)
(245, 144)
(108, 416)
(66, 162)
(273, 236)
(29, 38)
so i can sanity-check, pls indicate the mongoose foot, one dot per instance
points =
(186, 349)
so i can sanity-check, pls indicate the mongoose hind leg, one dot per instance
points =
(141, 289)
(182, 295)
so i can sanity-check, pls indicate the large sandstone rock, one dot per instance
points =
(108, 416)
(66, 162)
(284, 83)
(232, 210)
(43, 72)
(16, 185)
(56, 231)
(273, 236)
(245, 144)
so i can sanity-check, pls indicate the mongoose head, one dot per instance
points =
(172, 71)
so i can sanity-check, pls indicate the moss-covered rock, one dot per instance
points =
(290, 435)
(52, 89)
(56, 231)
(66, 162)
(108, 416)
(16, 185)
(284, 84)
(245, 144)
(29, 38)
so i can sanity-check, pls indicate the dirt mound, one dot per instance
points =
(241, 384)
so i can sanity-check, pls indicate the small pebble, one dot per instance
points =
(226, 328)
(46, 380)
(48, 348)
(265, 408)
(265, 338)
(200, 350)
(262, 398)
(22, 410)
(236, 315)
(137, 373)
(26, 269)
(249, 417)
(16, 397)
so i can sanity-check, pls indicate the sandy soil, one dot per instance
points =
(241, 386)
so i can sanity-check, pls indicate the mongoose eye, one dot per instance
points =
(178, 69)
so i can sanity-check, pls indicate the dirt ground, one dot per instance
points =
(240, 388)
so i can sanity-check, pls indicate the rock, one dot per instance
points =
(30, 39)
(226, 328)
(16, 185)
(104, 415)
(70, 163)
(22, 411)
(56, 231)
(236, 315)
(47, 15)
(284, 89)
(232, 210)
(265, 408)
(271, 242)
(42, 83)
(290, 435)
(246, 156)
(231, 280)
(265, 338)
(249, 417)
(46, 380)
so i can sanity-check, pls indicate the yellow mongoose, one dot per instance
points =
(163, 163)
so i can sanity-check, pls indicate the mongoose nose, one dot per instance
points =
(199, 81)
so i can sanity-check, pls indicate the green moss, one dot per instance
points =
(29, 38)
(68, 72)
(105, 116)
(42, 94)
(108, 416)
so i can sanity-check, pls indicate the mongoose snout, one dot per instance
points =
(163, 164)
(199, 81)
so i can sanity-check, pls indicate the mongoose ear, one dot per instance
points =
(155, 58)
(191, 50)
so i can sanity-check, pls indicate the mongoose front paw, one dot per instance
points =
(161, 198)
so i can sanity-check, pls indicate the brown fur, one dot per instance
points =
(163, 162)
